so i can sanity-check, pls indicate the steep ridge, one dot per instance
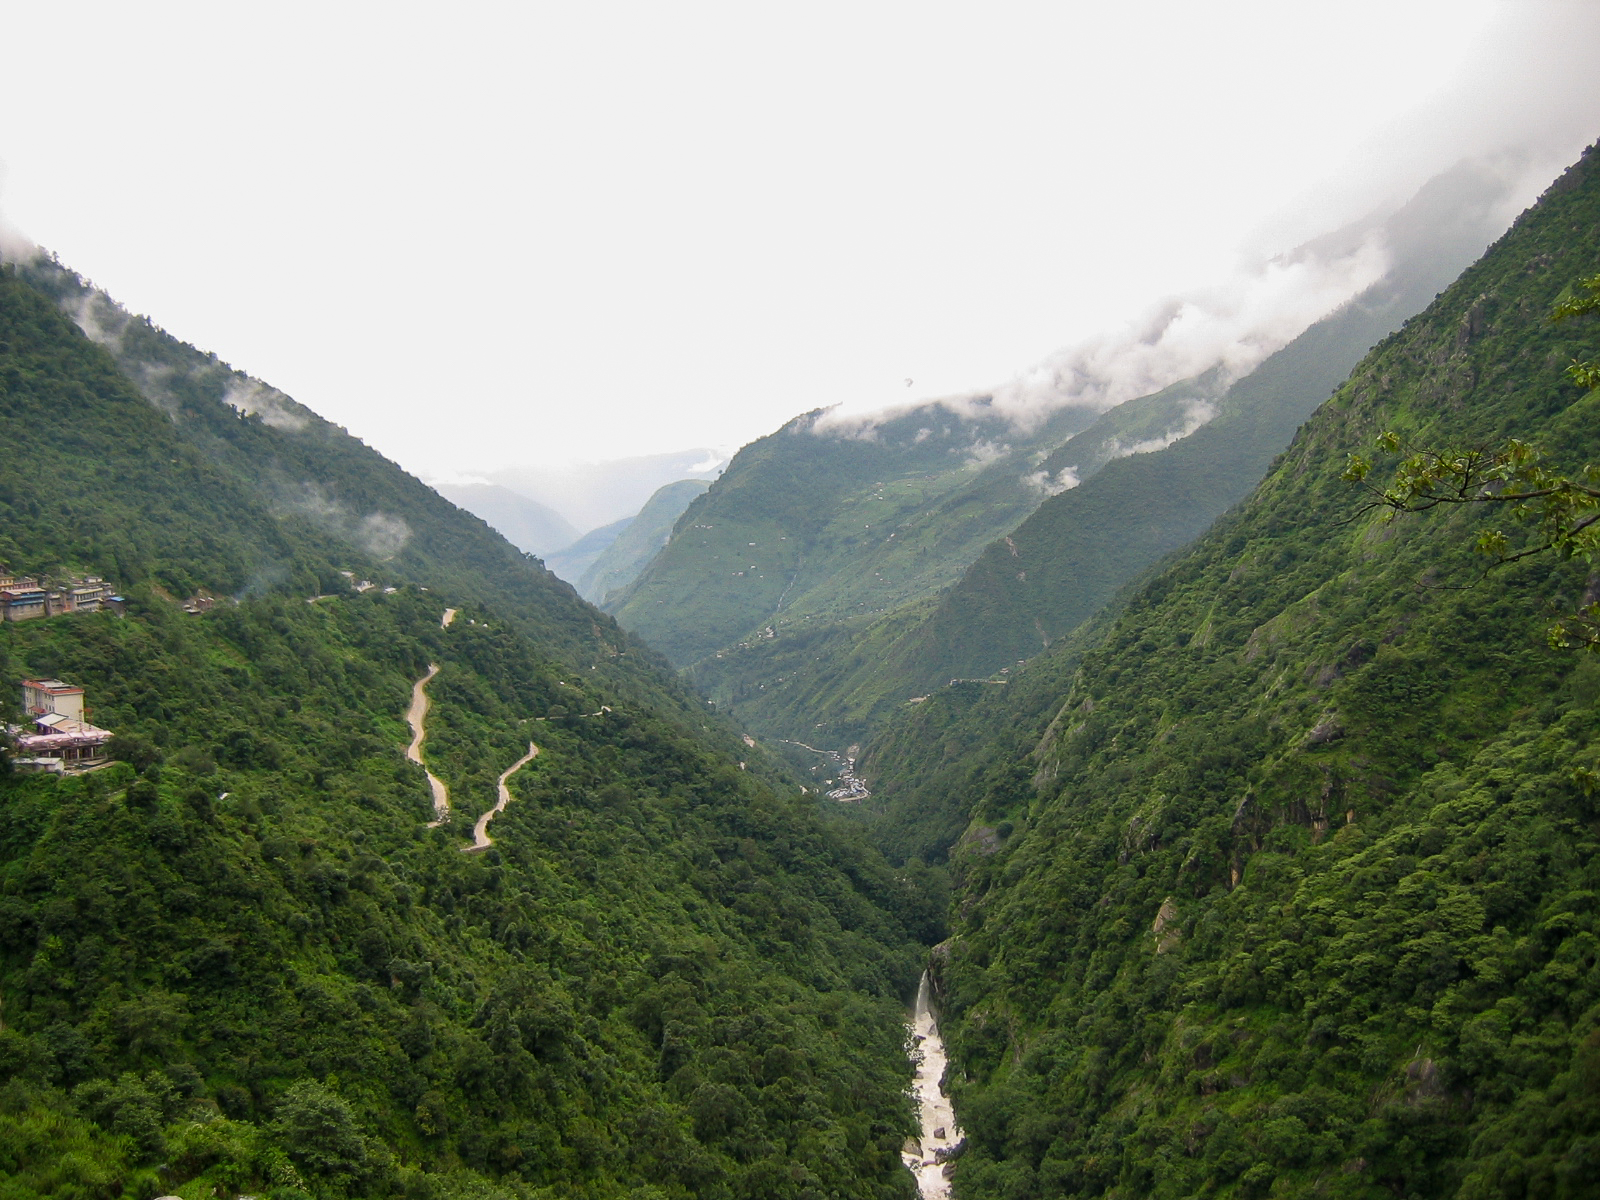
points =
(179, 469)
(284, 465)
(1070, 556)
(239, 961)
(630, 552)
(1049, 573)
(816, 522)
(1279, 880)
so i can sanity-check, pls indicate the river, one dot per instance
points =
(928, 1158)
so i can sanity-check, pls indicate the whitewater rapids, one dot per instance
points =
(940, 1133)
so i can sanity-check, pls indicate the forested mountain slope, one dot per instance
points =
(816, 523)
(1051, 571)
(631, 551)
(239, 961)
(289, 464)
(1282, 880)
(1070, 556)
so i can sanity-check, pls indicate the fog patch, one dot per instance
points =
(252, 398)
(101, 320)
(1196, 414)
(262, 580)
(983, 452)
(1047, 484)
(381, 535)
(16, 247)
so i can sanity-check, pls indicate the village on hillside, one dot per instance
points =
(23, 598)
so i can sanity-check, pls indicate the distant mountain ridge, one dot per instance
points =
(993, 543)
(637, 542)
(572, 561)
(528, 525)
(788, 529)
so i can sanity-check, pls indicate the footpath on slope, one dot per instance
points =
(480, 831)
(415, 716)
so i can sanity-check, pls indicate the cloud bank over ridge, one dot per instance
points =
(1228, 329)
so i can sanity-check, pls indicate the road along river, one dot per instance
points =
(480, 831)
(929, 1158)
(415, 716)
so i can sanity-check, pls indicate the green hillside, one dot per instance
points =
(288, 467)
(570, 562)
(630, 552)
(1279, 879)
(1072, 555)
(1141, 489)
(239, 962)
(815, 524)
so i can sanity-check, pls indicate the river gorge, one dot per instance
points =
(930, 1157)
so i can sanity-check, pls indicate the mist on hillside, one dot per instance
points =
(1229, 329)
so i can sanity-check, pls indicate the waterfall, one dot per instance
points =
(928, 1158)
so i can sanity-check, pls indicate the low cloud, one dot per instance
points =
(15, 246)
(1196, 414)
(983, 452)
(102, 321)
(1047, 484)
(1228, 329)
(380, 534)
(256, 399)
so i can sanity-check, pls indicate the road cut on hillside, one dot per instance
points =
(415, 716)
(480, 831)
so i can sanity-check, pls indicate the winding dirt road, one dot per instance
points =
(480, 831)
(415, 716)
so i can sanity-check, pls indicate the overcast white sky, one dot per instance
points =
(489, 235)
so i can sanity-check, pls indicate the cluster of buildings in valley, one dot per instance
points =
(57, 735)
(851, 786)
(23, 598)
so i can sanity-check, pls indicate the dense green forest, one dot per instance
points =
(1278, 878)
(238, 960)
(815, 524)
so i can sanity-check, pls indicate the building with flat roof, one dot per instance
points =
(58, 729)
(21, 601)
(44, 696)
(23, 597)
